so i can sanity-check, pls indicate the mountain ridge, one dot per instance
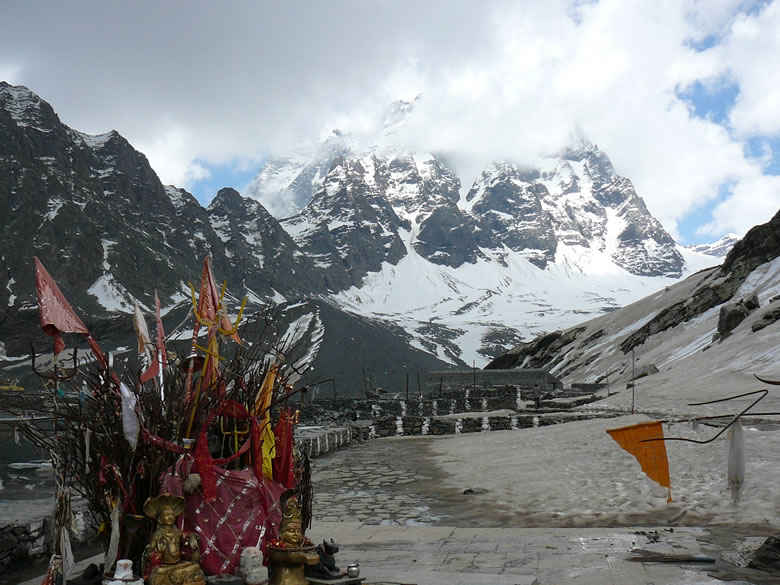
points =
(375, 223)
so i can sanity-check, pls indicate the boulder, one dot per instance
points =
(731, 315)
(751, 302)
(646, 370)
(767, 318)
(767, 557)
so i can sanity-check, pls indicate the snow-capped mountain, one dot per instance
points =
(462, 272)
(718, 248)
(467, 271)
(699, 339)
(94, 211)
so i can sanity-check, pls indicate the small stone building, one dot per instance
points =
(521, 377)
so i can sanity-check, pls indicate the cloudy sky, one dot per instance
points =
(683, 95)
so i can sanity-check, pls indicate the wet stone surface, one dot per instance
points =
(385, 481)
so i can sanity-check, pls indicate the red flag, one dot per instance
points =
(160, 356)
(204, 464)
(57, 316)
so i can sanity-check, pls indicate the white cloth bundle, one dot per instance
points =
(113, 543)
(736, 471)
(130, 424)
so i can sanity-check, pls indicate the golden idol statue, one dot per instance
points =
(172, 556)
(288, 555)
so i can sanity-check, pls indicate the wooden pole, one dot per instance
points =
(633, 379)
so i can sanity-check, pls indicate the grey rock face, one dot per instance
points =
(94, 202)
(508, 206)
(732, 314)
(348, 228)
(448, 236)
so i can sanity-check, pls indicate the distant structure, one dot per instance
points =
(522, 377)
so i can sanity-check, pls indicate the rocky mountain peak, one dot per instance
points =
(718, 248)
(26, 108)
(228, 198)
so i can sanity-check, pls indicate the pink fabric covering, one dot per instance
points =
(245, 512)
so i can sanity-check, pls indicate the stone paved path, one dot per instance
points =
(385, 481)
(440, 555)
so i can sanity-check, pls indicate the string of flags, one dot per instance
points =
(646, 442)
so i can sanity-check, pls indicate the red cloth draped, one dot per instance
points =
(244, 512)
(284, 462)
(204, 465)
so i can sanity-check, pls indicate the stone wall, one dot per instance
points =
(452, 425)
(464, 400)
(19, 542)
(318, 441)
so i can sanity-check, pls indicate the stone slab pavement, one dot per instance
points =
(440, 555)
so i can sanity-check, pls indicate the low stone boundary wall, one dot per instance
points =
(22, 541)
(317, 441)
(25, 538)
(469, 400)
(415, 425)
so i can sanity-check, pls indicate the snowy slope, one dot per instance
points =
(470, 270)
(719, 247)
(465, 313)
(674, 329)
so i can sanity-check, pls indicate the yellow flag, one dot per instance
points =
(262, 403)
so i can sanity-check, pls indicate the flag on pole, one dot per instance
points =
(57, 316)
(159, 331)
(652, 455)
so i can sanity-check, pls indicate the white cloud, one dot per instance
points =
(9, 73)
(750, 53)
(170, 153)
(753, 201)
(499, 79)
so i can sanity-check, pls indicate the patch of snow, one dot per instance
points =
(476, 297)
(96, 141)
(277, 297)
(222, 228)
(112, 296)
(107, 246)
(536, 481)
(764, 279)
(176, 196)
(52, 208)
(11, 295)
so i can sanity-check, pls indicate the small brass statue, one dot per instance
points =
(292, 551)
(171, 557)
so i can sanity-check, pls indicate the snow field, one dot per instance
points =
(575, 474)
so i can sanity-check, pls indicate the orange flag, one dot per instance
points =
(651, 456)
(209, 306)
